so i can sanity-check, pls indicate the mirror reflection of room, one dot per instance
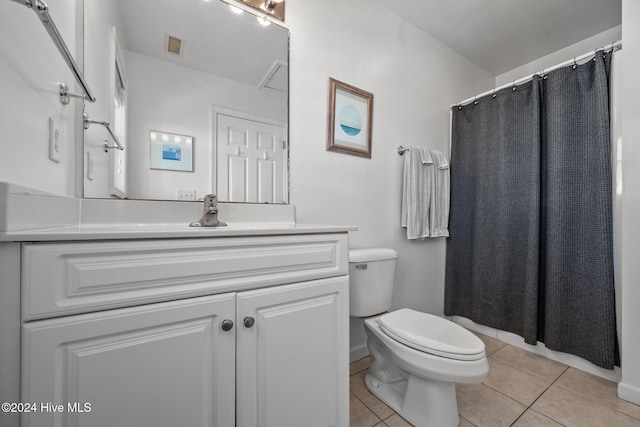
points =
(198, 93)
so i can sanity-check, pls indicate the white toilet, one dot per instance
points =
(417, 358)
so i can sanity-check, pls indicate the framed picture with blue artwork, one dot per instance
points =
(170, 151)
(350, 117)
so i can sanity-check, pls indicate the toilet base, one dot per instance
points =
(423, 403)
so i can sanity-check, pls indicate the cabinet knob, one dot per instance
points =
(227, 325)
(249, 321)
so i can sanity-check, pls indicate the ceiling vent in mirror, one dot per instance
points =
(276, 78)
(174, 45)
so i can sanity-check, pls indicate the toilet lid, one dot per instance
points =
(431, 334)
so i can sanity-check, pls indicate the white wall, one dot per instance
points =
(414, 80)
(166, 97)
(562, 55)
(31, 67)
(629, 387)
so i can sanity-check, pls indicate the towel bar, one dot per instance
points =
(107, 125)
(402, 150)
(42, 10)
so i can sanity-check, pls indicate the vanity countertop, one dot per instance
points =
(28, 215)
(164, 231)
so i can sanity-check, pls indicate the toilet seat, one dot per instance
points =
(431, 334)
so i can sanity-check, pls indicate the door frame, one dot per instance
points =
(243, 115)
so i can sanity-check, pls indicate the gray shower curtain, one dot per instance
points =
(530, 247)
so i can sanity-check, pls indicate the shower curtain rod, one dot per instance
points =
(615, 46)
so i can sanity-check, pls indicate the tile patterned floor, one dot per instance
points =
(522, 389)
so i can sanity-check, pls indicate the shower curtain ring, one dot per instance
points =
(475, 100)
(494, 93)
(575, 64)
(614, 48)
(513, 84)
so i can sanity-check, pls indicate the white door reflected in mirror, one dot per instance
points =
(251, 158)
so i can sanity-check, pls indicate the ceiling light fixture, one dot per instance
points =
(271, 4)
(263, 21)
(274, 8)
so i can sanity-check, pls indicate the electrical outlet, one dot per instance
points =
(55, 147)
(186, 194)
(89, 167)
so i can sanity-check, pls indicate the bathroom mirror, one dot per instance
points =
(196, 91)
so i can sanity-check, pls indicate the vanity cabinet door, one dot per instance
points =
(158, 365)
(292, 362)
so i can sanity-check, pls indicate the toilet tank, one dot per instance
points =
(371, 275)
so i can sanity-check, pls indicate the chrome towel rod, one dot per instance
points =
(107, 125)
(402, 150)
(42, 10)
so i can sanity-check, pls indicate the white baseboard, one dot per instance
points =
(358, 352)
(516, 340)
(630, 393)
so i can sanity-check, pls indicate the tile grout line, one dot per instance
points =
(510, 398)
(463, 418)
(527, 407)
(356, 373)
(546, 389)
(531, 373)
(498, 349)
(382, 420)
(538, 398)
(370, 410)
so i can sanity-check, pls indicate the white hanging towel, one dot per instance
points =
(440, 193)
(416, 192)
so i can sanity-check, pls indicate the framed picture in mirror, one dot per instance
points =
(350, 119)
(170, 151)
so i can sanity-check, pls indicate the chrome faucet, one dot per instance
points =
(210, 215)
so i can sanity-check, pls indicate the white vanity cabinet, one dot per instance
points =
(164, 364)
(292, 364)
(245, 331)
